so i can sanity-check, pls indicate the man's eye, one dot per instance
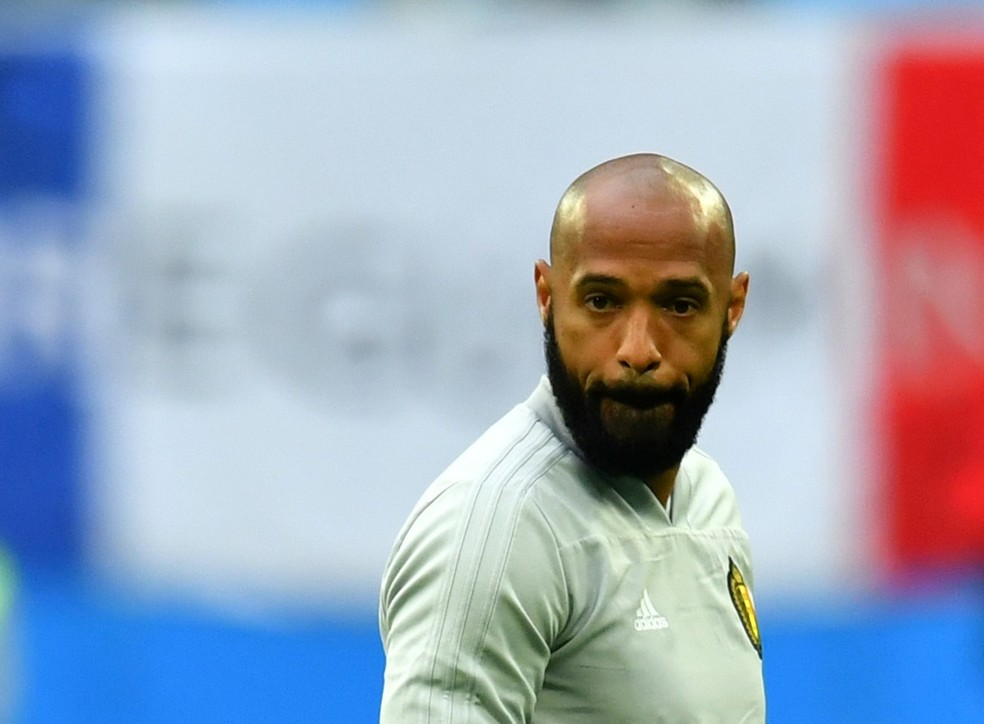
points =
(682, 306)
(599, 302)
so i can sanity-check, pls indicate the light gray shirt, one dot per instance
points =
(526, 586)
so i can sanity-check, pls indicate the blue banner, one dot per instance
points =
(42, 145)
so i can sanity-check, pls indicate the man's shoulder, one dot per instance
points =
(712, 500)
(513, 456)
(513, 436)
(488, 495)
(699, 464)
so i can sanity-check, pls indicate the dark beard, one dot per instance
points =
(643, 450)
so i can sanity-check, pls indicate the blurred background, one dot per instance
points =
(266, 269)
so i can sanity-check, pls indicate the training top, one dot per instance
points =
(527, 586)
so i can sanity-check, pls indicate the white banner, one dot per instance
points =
(320, 244)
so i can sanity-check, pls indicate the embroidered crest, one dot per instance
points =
(741, 597)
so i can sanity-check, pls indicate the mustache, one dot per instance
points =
(636, 394)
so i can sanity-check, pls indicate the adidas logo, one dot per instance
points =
(647, 618)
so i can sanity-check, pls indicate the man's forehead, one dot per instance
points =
(649, 194)
(653, 239)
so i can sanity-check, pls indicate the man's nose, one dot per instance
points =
(637, 350)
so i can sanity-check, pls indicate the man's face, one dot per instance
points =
(637, 308)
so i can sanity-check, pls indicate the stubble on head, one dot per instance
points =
(651, 175)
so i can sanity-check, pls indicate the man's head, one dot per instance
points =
(638, 302)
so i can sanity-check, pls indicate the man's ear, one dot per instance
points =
(541, 276)
(736, 306)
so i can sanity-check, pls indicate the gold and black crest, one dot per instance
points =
(741, 597)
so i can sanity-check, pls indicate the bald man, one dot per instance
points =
(583, 561)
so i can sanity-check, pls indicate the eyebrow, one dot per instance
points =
(601, 280)
(687, 284)
(675, 284)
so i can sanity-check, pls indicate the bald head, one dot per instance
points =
(637, 185)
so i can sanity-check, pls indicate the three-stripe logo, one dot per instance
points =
(647, 617)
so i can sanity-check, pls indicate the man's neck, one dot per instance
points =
(662, 484)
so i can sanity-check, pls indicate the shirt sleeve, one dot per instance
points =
(472, 599)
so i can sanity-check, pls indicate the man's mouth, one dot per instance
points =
(642, 399)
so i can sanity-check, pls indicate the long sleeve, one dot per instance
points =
(472, 599)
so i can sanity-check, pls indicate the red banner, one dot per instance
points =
(931, 260)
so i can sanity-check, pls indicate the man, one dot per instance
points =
(582, 561)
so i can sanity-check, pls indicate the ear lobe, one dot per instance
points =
(736, 306)
(541, 277)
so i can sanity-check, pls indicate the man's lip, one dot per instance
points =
(640, 404)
